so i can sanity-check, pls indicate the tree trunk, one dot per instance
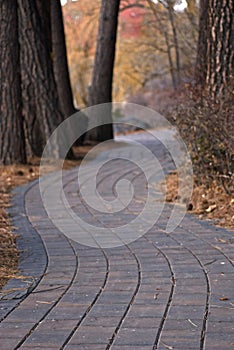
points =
(40, 98)
(101, 87)
(170, 61)
(176, 43)
(164, 32)
(60, 65)
(61, 71)
(43, 8)
(215, 64)
(201, 63)
(12, 145)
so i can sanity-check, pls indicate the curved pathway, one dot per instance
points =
(162, 291)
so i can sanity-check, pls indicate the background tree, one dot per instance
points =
(101, 85)
(145, 54)
(81, 26)
(163, 29)
(179, 30)
(215, 55)
(170, 7)
(12, 146)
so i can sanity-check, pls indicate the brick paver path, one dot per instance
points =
(162, 291)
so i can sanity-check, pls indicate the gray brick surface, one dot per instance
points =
(162, 291)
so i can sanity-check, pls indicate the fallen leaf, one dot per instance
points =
(44, 302)
(192, 323)
(223, 299)
(168, 346)
(221, 240)
(211, 208)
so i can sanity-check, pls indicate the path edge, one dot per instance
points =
(33, 257)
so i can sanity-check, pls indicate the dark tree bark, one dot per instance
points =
(60, 68)
(39, 93)
(215, 57)
(60, 65)
(202, 57)
(43, 8)
(12, 145)
(101, 87)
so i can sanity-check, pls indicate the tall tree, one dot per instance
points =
(167, 26)
(39, 93)
(60, 65)
(61, 71)
(170, 7)
(12, 146)
(215, 56)
(101, 86)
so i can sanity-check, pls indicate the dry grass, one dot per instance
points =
(212, 202)
(10, 176)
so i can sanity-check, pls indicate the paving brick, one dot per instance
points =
(141, 322)
(15, 330)
(130, 347)
(9, 343)
(84, 347)
(68, 313)
(92, 335)
(136, 336)
(192, 299)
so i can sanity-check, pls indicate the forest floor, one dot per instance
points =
(209, 203)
